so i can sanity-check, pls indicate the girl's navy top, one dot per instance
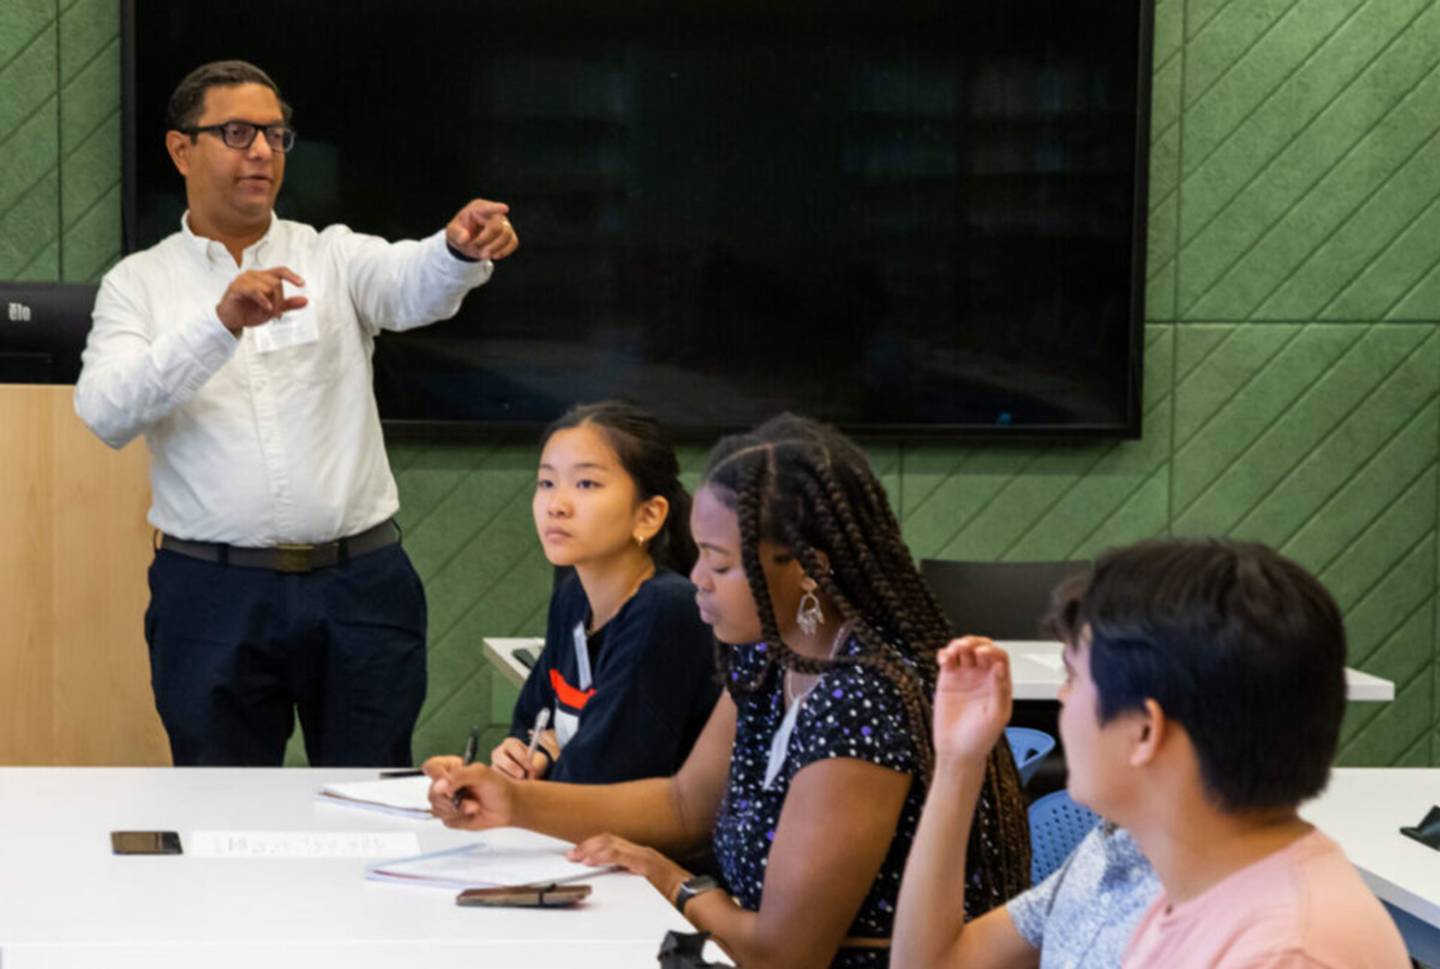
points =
(654, 683)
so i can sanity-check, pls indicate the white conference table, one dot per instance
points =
(1035, 666)
(66, 902)
(1363, 809)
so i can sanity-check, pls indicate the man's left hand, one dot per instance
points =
(482, 230)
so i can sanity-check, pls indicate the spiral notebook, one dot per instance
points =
(407, 797)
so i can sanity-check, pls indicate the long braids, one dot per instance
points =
(808, 488)
(747, 514)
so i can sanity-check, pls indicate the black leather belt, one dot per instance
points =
(289, 558)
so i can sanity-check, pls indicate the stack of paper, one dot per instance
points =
(405, 796)
(486, 865)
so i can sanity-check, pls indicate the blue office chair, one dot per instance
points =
(1029, 747)
(1057, 825)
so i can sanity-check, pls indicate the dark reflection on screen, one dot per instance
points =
(889, 216)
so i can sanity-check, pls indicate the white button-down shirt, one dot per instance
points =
(251, 448)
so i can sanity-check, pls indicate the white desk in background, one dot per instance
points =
(1039, 672)
(500, 651)
(1035, 666)
(66, 902)
(1363, 809)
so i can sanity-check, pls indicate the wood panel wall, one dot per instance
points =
(74, 549)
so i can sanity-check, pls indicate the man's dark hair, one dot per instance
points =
(188, 101)
(1239, 645)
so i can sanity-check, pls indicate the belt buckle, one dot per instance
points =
(295, 558)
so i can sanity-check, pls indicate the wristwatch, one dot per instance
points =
(692, 887)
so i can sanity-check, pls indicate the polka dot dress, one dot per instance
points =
(851, 712)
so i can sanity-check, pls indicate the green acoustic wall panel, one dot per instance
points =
(1321, 440)
(1291, 373)
(1289, 135)
(1422, 296)
(89, 137)
(29, 118)
(1164, 202)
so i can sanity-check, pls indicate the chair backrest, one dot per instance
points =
(1028, 746)
(1002, 600)
(1057, 825)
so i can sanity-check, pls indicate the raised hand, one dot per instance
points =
(972, 698)
(257, 297)
(482, 230)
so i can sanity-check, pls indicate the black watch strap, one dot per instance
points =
(458, 254)
(692, 887)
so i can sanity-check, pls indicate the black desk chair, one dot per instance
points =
(1002, 600)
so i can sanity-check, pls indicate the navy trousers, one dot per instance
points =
(235, 651)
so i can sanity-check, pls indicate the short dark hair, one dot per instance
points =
(648, 457)
(1239, 645)
(187, 102)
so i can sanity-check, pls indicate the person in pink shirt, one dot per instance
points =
(1205, 684)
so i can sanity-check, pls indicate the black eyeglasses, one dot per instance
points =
(241, 134)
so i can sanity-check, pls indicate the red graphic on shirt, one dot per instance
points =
(568, 695)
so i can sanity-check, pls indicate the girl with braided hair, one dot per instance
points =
(810, 775)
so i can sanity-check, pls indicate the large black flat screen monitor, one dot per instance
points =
(906, 218)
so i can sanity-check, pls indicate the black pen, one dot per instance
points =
(472, 747)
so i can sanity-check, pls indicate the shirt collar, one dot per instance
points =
(214, 249)
(1120, 847)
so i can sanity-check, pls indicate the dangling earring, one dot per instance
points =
(808, 617)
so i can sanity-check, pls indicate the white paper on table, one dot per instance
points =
(406, 796)
(485, 865)
(299, 844)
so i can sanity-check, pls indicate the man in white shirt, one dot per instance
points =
(280, 581)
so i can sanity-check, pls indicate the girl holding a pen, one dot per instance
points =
(810, 774)
(627, 675)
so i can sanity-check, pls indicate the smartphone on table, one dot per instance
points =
(529, 896)
(145, 842)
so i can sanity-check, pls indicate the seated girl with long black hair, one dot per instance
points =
(810, 774)
(627, 676)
